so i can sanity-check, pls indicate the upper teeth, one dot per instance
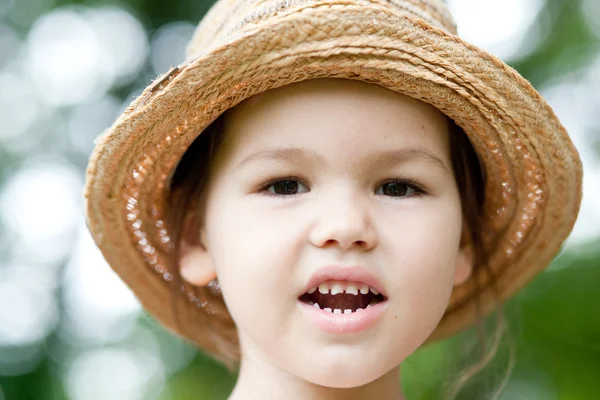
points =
(342, 287)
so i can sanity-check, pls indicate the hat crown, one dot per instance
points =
(230, 18)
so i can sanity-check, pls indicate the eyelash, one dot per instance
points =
(419, 190)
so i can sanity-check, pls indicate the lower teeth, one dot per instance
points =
(337, 310)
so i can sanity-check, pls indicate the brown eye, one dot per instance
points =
(286, 187)
(395, 189)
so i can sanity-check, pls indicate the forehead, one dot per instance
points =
(345, 116)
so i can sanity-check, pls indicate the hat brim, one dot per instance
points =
(533, 172)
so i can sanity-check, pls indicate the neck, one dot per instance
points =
(258, 380)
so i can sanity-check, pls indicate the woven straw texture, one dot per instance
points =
(241, 48)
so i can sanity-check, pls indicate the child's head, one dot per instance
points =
(305, 140)
(329, 172)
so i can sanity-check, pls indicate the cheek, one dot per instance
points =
(254, 253)
(425, 254)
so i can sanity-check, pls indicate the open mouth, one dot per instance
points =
(342, 297)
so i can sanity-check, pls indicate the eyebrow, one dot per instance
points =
(385, 158)
(392, 157)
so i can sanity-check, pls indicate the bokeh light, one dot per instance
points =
(40, 203)
(27, 313)
(113, 373)
(64, 58)
(168, 45)
(121, 59)
(501, 27)
(19, 102)
(99, 308)
(90, 118)
(77, 55)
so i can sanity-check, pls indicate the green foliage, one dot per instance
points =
(568, 43)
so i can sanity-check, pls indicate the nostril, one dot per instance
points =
(333, 242)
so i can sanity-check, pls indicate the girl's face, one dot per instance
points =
(324, 177)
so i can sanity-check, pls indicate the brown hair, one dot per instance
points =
(187, 189)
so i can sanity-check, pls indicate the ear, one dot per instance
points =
(465, 258)
(195, 262)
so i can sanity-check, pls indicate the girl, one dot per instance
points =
(325, 186)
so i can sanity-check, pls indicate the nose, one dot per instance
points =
(344, 220)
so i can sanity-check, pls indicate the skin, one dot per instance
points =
(263, 246)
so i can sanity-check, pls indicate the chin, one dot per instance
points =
(349, 375)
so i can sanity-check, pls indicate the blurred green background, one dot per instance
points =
(70, 330)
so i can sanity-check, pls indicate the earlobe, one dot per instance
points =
(195, 261)
(464, 265)
(465, 259)
(196, 265)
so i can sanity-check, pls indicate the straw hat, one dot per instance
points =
(244, 47)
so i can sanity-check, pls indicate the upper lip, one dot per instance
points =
(355, 274)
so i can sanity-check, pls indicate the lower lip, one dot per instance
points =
(343, 323)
